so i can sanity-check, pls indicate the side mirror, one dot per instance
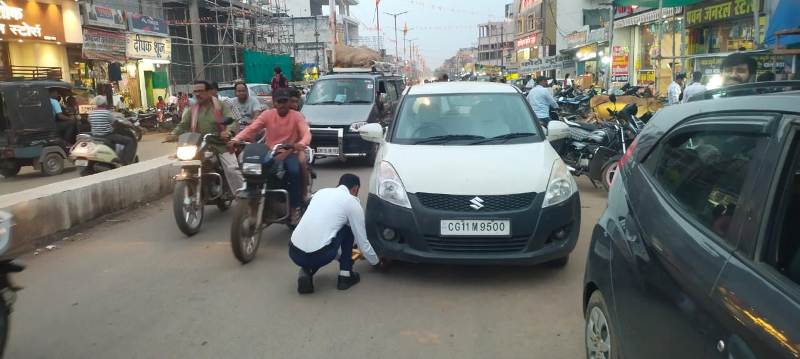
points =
(556, 130)
(612, 98)
(372, 132)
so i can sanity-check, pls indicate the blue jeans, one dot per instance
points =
(292, 165)
(312, 262)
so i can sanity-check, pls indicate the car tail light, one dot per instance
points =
(628, 154)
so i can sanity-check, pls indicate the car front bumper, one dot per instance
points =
(535, 238)
(349, 144)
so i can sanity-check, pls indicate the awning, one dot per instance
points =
(784, 18)
(655, 3)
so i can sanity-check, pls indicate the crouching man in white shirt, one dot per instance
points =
(333, 221)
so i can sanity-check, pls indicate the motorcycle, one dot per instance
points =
(575, 103)
(97, 154)
(7, 288)
(200, 182)
(265, 199)
(595, 149)
(133, 118)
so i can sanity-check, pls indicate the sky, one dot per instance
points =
(441, 27)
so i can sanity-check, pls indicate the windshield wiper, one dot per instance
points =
(445, 138)
(327, 103)
(360, 101)
(505, 138)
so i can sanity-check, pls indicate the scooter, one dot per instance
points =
(7, 288)
(94, 154)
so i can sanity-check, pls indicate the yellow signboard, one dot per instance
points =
(718, 12)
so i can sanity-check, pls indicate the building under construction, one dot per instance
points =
(209, 37)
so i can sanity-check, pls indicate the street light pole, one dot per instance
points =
(395, 15)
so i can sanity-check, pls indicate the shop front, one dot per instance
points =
(722, 26)
(636, 46)
(149, 58)
(103, 51)
(35, 37)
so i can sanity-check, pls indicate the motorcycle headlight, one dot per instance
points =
(561, 185)
(356, 125)
(187, 153)
(390, 187)
(251, 169)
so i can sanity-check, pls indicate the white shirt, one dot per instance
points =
(330, 210)
(674, 93)
(693, 89)
(541, 100)
(173, 100)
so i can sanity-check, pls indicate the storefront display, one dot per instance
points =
(721, 27)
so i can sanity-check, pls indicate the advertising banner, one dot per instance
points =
(148, 25)
(620, 62)
(103, 45)
(101, 16)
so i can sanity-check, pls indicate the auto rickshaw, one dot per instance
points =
(28, 131)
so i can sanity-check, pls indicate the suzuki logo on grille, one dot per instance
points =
(476, 203)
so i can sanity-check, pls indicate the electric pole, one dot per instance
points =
(396, 39)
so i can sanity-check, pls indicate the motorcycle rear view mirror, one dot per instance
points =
(612, 98)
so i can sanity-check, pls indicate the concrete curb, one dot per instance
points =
(47, 210)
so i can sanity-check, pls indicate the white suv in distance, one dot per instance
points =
(465, 174)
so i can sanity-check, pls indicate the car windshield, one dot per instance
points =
(261, 90)
(465, 119)
(227, 93)
(342, 92)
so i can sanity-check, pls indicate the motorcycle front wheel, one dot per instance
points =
(188, 214)
(245, 237)
(610, 170)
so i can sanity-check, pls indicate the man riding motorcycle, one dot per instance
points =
(245, 108)
(102, 121)
(207, 116)
(288, 127)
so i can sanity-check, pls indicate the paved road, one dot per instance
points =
(136, 288)
(150, 147)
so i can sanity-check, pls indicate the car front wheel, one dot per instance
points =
(600, 340)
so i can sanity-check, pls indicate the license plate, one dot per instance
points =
(469, 227)
(81, 163)
(331, 151)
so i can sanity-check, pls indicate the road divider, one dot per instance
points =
(43, 212)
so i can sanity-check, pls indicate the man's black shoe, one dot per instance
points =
(305, 282)
(347, 282)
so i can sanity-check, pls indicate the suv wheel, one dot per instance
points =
(600, 340)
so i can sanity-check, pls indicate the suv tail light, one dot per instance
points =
(628, 154)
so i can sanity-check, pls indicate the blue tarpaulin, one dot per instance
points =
(785, 17)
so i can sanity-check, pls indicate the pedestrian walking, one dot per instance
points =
(675, 89)
(542, 100)
(696, 87)
(278, 80)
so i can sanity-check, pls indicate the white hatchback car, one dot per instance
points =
(465, 174)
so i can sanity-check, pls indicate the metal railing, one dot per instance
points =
(30, 73)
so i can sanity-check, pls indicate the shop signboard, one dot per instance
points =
(148, 47)
(597, 35)
(620, 64)
(148, 25)
(576, 39)
(102, 16)
(528, 4)
(528, 41)
(31, 20)
(718, 12)
(103, 45)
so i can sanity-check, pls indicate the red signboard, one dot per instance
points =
(528, 41)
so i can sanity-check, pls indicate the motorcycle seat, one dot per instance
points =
(583, 125)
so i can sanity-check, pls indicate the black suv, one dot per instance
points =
(340, 103)
(698, 252)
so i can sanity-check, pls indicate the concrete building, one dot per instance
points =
(495, 44)
(311, 8)
(535, 30)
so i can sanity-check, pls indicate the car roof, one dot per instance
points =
(462, 87)
(668, 117)
(357, 75)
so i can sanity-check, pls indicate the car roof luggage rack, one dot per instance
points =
(748, 89)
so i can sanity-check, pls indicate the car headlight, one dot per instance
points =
(561, 185)
(356, 125)
(390, 187)
(187, 153)
(251, 168)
